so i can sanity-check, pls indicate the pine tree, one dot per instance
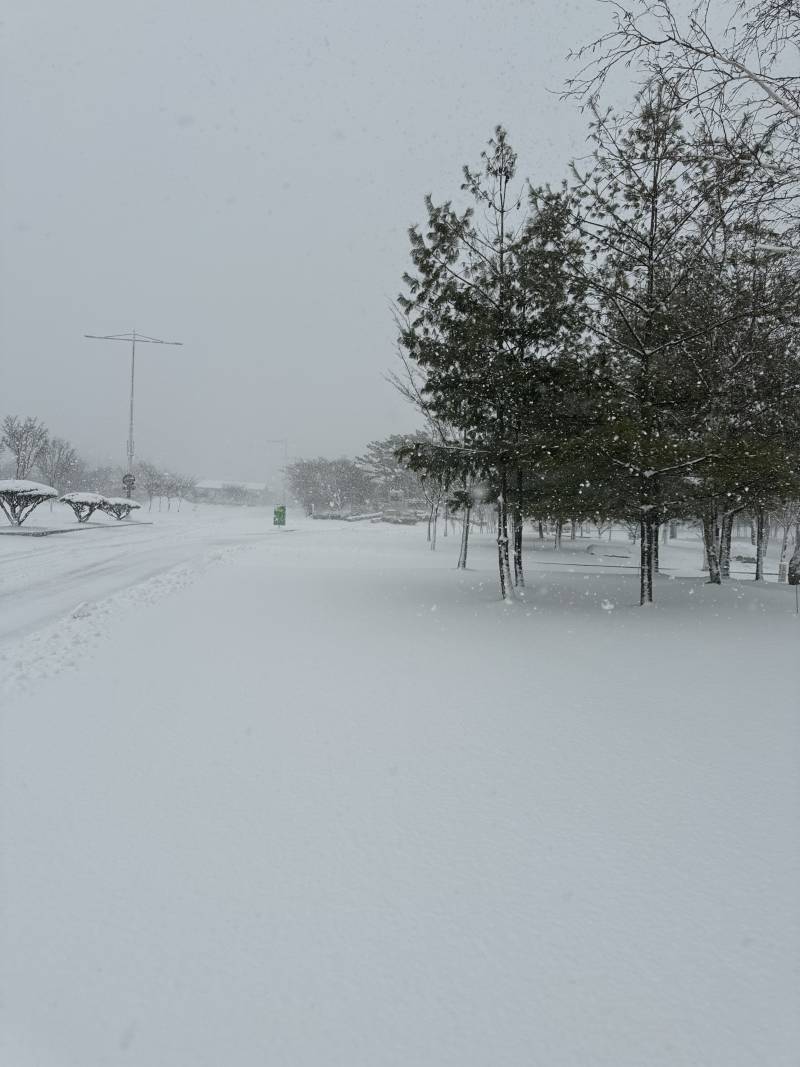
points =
(658, 209)
(488, 314)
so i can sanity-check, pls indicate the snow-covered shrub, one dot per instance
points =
(119, 506)
(83, 505)
(19, 497)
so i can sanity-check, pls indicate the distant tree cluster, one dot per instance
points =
(33, 451)
(27, 450)
(624, 346)
(328, 485)
(378, 478)
(161, 485)
(390, 478)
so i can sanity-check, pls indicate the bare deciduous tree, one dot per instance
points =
(58, 462)
(736, 63)
(25, 439)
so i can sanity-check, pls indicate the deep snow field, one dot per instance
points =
(313, 798)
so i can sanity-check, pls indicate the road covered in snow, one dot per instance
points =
(314, 797)
(43, 579)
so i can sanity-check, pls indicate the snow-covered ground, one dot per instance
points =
(43, 579)
(312, 797)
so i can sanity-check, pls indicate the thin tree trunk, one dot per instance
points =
(519, 576)
(711, 528)
(446, 517)
(784, 544)
(506, 588)
(645, 559)
(710, 538)
(557, 535)
(435, 519)
(707, 526)
(462, 555)
(726, 534)
(762, 535)
(500, 566)
(656, 526)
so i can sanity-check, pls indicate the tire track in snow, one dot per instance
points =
(63, 644)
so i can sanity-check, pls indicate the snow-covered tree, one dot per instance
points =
(389, 476)
(58, 462)
(488, 313)
(19, 497)
(119, 506)
(25, 439)
(666, 225)
(83, 505)
(337, 485)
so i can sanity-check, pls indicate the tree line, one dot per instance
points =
(343, 485)
(27, 448)
(623, 346)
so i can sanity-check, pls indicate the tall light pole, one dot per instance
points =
(133, 337)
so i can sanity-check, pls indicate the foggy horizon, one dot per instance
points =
(242, 181)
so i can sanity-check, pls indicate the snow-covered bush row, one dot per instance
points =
(85, 504)
(20, 497)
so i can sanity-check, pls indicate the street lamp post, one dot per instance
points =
(133, 337)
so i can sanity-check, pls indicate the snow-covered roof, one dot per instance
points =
(83, 498)
(250, 487)
(25, 488)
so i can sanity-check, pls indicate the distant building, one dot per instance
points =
(230, 492)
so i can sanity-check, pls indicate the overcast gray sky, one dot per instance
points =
(240, 176)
